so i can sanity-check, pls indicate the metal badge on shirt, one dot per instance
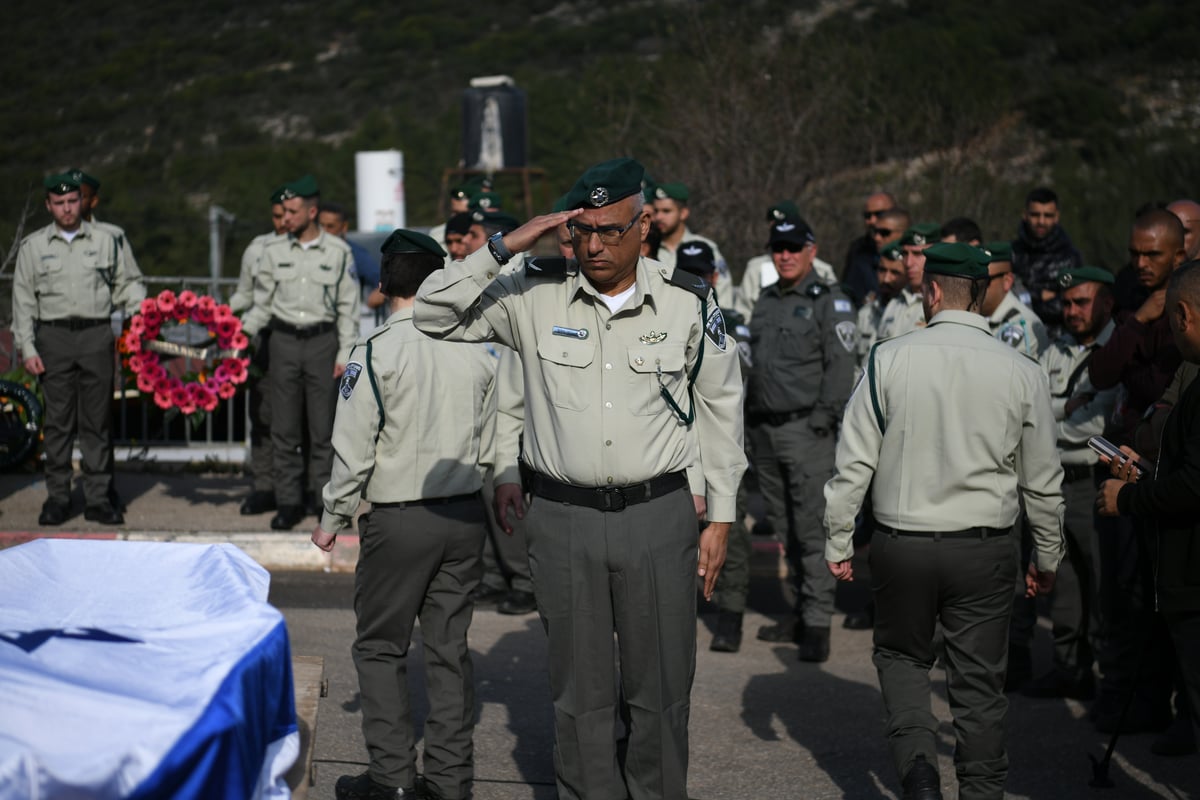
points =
(349, 378)
(714, 328)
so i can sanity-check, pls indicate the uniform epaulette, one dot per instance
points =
(547, 266)
(816, 290)
(690, 281)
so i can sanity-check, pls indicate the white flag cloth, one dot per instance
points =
(141, 670)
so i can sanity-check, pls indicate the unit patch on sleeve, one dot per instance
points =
(845, 332)
(714, 328)
(350, 377)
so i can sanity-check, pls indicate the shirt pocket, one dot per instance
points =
(49, 277)
(101, 267)
(288, 284)
(646, 361)
(563, 365)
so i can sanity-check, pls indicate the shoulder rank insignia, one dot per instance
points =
(690, 281)
(548, 266)
(816, 290)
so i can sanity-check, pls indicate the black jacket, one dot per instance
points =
(1039, 262)
(1171, 502)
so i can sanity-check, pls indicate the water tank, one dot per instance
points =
(494, 123)
(379, 182)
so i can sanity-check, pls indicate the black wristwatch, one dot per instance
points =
(496, 247)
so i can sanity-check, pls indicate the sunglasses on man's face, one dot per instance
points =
(787, 247)
(882, 232)
(869, 214)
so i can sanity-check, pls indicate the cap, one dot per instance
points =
(794, 231)
(921, 234)
(1074, 277)
(277, 196)
(671, 191)
(459, 192)
(497, 219)
(60, 184)
(998, 251)
(784, 209)
(82, 177)
(459, 223)
(302, 187)
(606, 183)
(956, 259)
(488, 201)
(696, 257)
(891, 251)
(405, 241)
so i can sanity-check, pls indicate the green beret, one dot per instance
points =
(304, 187)
(488, 201)
(496, 219)
(1074, 277)
(559, 205)
(696, 257)
(671, 191)
(998, 251)
(404, 241)
(891, 251)
(784, 209)
(60, 184)
(648, 191)
(958, 259)
(277, 196)
(921, 234)
(82, 177)
(606, 183)
(477, 184)
(459, 192)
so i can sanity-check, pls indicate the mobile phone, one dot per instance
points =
(1106, 448)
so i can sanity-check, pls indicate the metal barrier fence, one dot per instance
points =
(137, 422)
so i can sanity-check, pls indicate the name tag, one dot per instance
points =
(573, 333)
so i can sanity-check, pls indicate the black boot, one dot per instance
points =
(921, 782)
(815, 647)
(728, 638)
(787, 630)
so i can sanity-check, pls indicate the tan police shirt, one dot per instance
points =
(945, 427)
(415, 421)
(867, 325)
(119, 234)
(306, 286)
(243, 295)
(1015, 324)
(903, 314)
(87, 277)
(1065, 363)
(593, 410)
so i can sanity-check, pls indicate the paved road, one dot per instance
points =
(763, 725)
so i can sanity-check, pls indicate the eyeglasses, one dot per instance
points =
(868, 213)
(787, 247)
(609, 234)
(885, 232)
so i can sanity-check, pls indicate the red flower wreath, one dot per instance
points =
(224, 367)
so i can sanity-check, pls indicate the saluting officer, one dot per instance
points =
(262, 459)
(802, 336)
(306, 293)
(945, 428)
(628, 376)
(69, 277)
(415, 426)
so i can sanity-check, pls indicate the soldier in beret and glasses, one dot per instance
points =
(947, 431)
(413, 436)
(69, 277)
(629, 375)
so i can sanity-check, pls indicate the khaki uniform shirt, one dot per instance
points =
(510, 416)
(119, 234)
(1015, 324)
(760, 273)
(415, 421)
(1065, 363)
(867, 322)
(727, 293)
(243, 295)
(438, 234)
(945, 427)
(903, 314)
(802, 339)
(593, 410)
(87, 277)
(307, 286)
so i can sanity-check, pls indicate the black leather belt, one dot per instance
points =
(430, 501)
(776, 418)
(980, 532)
(612, 498)
(301, 332)
(74, 323)
(1077, 472)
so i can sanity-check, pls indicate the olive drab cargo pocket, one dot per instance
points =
(656, 365)
(562, 362)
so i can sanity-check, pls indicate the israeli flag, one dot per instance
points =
(141, 670)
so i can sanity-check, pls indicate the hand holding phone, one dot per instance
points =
(1109, 450)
